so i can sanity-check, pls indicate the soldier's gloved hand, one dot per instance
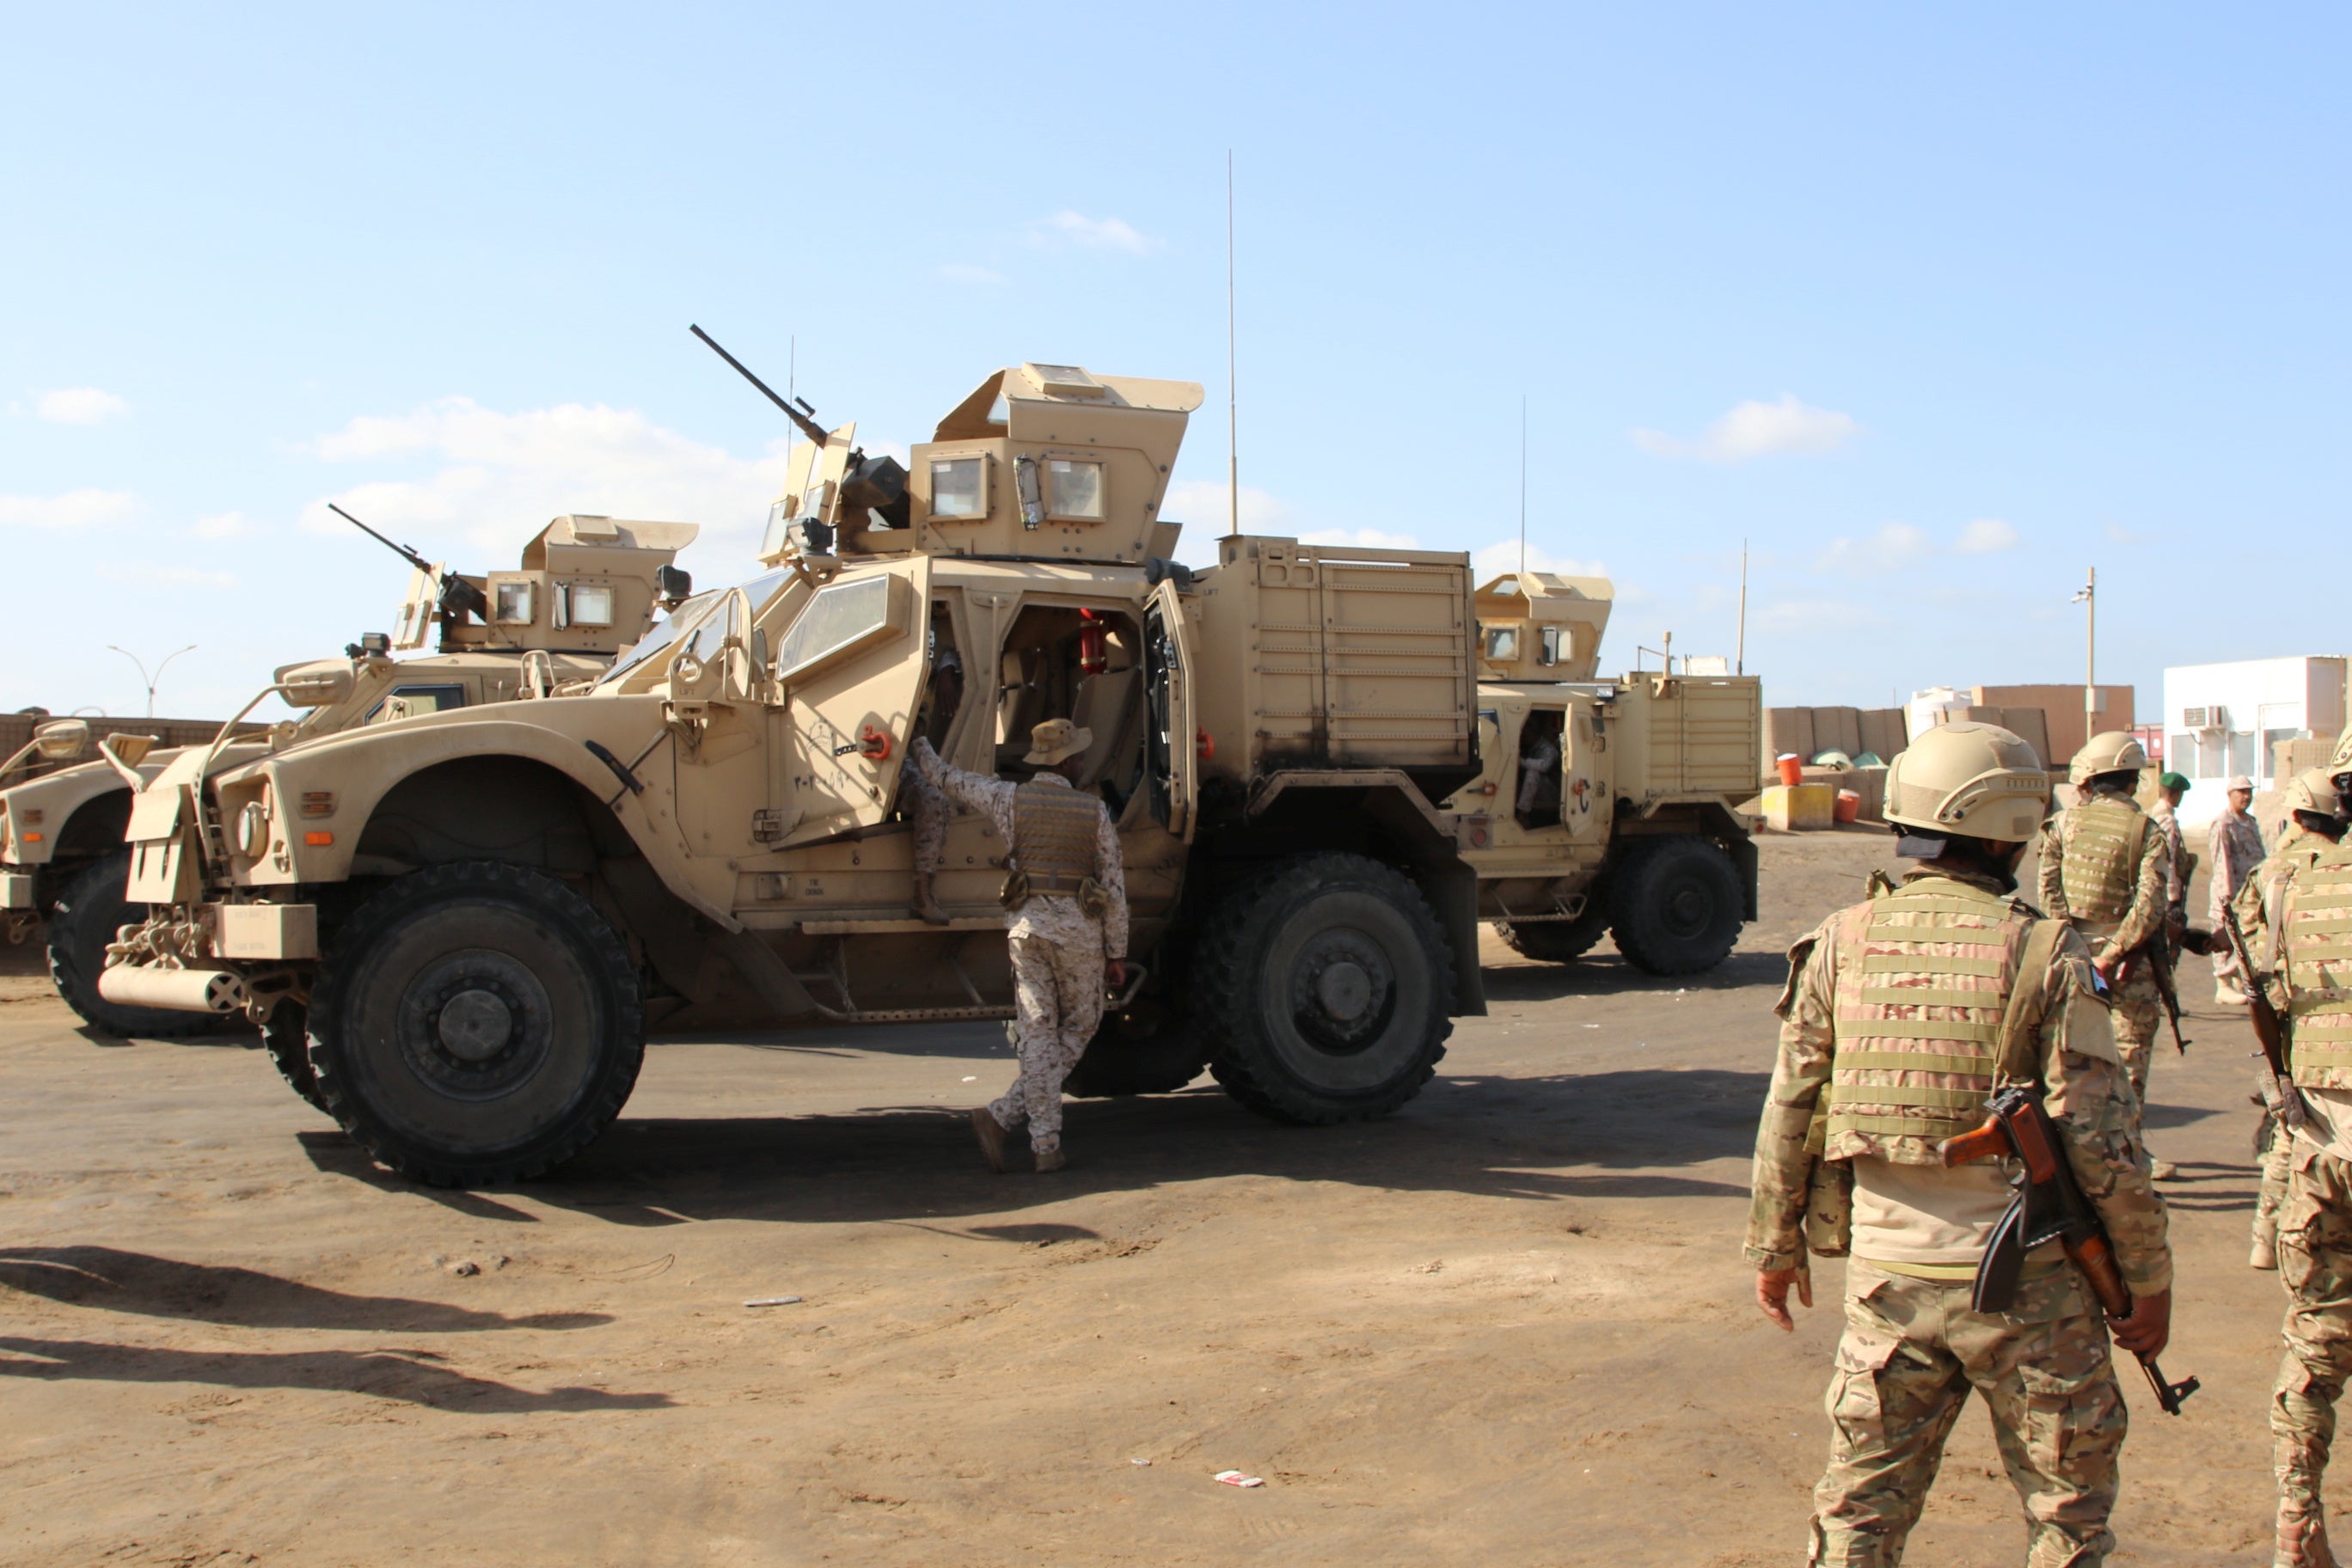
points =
(1772, 1293)
(1115, 971)
(2148, 1329)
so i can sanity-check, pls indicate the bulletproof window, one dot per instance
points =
(515, 607)
(591, 605)
(1502, 643)
(1547, 645)
(960, 487)
(416, 700)
(1074, 489)
(841, 616)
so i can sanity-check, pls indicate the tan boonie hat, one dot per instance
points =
(1056, 739)
(2240, 781)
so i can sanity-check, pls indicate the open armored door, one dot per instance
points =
(1171, 761)
(852, 665)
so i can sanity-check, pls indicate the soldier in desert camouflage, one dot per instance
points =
(2234, 844)
(2312, 946)
(1897, 1025)
(1068, 893)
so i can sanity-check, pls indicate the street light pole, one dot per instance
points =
(2088, 597)
(152, 680)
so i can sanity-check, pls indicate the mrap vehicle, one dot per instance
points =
(470, 920)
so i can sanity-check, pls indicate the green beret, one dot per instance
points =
(2172, 780)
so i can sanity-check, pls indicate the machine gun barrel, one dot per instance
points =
(457, 595)
(808, 427)
(403, 550)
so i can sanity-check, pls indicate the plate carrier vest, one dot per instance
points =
(2316, 938)
(1054, 833)
(1924, 979)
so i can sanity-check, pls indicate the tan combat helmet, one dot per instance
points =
(2109, 751)
(1978, 781)
(2314, 790)
(2341, 763)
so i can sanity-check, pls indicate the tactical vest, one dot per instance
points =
(1924, 977)
(2316, 938)
(1053, 831)
(2102, 839)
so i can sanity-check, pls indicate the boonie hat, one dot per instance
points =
(1056, 739)
(2240, 781)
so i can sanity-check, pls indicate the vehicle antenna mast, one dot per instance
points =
(1523, 484)
(1232, 396)
(808, 427)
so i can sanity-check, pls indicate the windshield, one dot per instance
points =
(690, 617)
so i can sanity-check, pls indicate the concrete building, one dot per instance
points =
(2225, 719)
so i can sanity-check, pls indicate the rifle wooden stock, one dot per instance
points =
(2097, 1259)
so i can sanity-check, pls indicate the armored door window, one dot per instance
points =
(960, 488)
(841, 617)
(416, 700)
(583, 604)
(1548, 647)
(1074, 489)
(516, 606)
(1502, 643)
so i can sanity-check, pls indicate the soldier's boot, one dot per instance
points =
(2303, 1537)
(990, 1134)
(926, 903)
(1051, 1160)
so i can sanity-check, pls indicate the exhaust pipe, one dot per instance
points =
(218, 991)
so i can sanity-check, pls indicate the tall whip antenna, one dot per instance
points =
(1523, 484)
(1233, 416)
(1741, 668)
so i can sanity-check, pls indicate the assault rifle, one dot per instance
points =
(2049, 1205)
(2270, 1029)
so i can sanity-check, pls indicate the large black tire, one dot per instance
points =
(476, 1022)
(1326, 985)
(1153, 1048)
(87, 914)
(1677, 905)
(286, 1037)
(1560, 941)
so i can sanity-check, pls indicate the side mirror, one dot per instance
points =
(61, 740)
(129, 750)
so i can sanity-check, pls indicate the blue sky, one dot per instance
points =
(1935, 311)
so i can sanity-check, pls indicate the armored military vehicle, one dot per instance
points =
(475, 916)
(587, 586)
(1605, 806)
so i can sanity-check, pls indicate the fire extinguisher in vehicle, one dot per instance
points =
(1094, 652)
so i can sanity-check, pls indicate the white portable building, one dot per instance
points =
(2226, 718)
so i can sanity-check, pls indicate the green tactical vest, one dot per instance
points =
(2315, 937)
(1924, 977)
(2103, 838)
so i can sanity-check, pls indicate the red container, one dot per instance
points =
(1849, 806)
(1792, 768)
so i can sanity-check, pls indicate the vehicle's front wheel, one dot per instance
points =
(1677, 905)
(84, 919)
(1325, 985)
(1560, 941)
(1155, 1046)
(476, 1022)
(285, 1036)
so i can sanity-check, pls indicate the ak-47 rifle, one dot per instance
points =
(2270, 1029)
(457, 595)
(2049, 1205)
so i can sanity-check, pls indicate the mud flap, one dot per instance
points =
(1453, 892)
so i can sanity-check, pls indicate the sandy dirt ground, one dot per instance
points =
(1508, 1326)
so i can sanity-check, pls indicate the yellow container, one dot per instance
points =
(1800, 808)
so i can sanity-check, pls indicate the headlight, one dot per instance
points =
(252, 830)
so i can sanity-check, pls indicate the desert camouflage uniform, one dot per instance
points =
(2257, 909)
(2115, 919)
(1058, 951)
(1912, 1347)
(2234, 844)
(2313, 941)
(928, 810)
(2176, 867)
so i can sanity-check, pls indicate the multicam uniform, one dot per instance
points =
(2258, 908)
(2176, 865)
(1891, 1024)
(2314, 1243)
(2235, 843)
(2104, 869)
(1059, 837)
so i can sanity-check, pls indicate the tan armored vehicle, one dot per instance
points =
(1605, 806)
(587, 587)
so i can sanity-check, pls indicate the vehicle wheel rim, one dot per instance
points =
(1342, 991)
(475, 1025)
(1686, 909)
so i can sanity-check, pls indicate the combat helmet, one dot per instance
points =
(2314, 790)
(2341, 763)
(2109, 751)
(1978, 781)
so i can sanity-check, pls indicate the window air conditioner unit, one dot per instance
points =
(2205, 718)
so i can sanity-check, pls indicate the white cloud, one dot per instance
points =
(79, 406)
(1492, 560)
(1986, 536)
(225, 525)
(1362, 538)
(1202, 506)
(148, 575)
(1814, 615)
(75, 509)
(1755, 430)
(1067, 227)
(1891, 549)
(501, 476)
(2118, 534)
(965, 272)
